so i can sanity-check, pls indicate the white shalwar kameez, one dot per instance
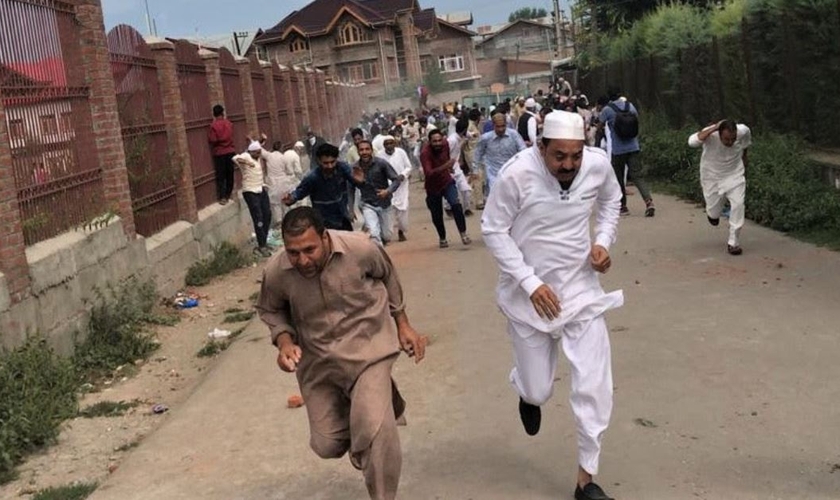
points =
(282, 176)
(461, 182)
(722, 177)
(402, 166)
(539, 234)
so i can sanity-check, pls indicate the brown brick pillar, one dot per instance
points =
(287, 94)
(334, 122)
(176, 129)
(244, 67)
(324, 112)
(312, 101)
(273, 108)
(303, 119)
(12, 247)
(103, 109)
(214, 76)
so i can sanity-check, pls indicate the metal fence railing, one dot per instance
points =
(57, 176)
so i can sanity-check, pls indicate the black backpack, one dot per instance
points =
(626, 124)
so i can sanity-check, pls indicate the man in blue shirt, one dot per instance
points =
(497, 147)
(625, 149)
(327, 186)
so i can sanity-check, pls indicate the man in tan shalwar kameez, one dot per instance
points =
(335, 309)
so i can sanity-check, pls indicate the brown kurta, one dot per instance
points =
(342, 320)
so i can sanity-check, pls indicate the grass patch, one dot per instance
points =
(254, 296)
(234, 310)
(128, 446)
(118, 330)
(226, 258)
(78, 491)
(239, 317)
(212, 348)
(7, 476)
(37, 392)
(108, 409)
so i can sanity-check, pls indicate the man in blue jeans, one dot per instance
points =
(376, 192)
(618, 114)
(437, 168)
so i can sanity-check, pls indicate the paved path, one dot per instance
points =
(733, 361)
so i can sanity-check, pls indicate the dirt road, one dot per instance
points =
(726, 373)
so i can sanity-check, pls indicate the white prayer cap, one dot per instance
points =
(530, 103)
(563, 125)
(254, 146)
(299, 144)
(388, 138)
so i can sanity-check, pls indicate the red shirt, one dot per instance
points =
(435, 182)
(221, 137)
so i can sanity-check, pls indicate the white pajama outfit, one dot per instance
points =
(399, 202)
(282, 177)
(539, 234)
(461, 181)
(722, 177)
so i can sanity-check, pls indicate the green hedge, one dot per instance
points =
(784, 188)
(37, 392)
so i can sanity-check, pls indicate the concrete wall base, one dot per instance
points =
(66, 271)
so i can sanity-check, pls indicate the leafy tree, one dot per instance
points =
(527, 13)
(435, 80)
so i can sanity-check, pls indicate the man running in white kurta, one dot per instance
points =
(722, 166)
(536, 224)
(399, 160)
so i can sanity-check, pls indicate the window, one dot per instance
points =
(16, 129)
(49, 125)
(452, 63)
(360, 72)
(350, 34)
(298, 45)
(425, 65)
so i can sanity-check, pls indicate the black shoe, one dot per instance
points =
(713, 222)
(736, 250)
(401, 236)
(591, 492)
(650, 210)
(624, 211)
(468, 213)
(531, 416)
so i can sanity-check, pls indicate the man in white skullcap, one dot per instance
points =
(536, 223)
(302, 157)
(255, 194)
(527, 124)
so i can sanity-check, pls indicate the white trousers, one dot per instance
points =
(401, 219)
(714, 207)
(464, 190)
(587, 347)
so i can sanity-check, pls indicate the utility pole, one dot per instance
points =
(148, 19)
(559, 34)
(236, 36)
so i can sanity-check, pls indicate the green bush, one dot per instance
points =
(117, 332)
(784, 190)
(78, 491)
(37, 392)
(226, 258)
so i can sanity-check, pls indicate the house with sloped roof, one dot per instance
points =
(386, 44)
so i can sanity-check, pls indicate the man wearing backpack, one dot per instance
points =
(623, 121)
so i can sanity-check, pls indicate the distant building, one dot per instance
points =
(519, 53)
(387, 44)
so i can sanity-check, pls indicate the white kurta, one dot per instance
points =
(402, 166)
(455, 146)
(539, 234)
(722, 177)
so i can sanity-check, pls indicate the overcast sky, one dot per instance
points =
(213, 17)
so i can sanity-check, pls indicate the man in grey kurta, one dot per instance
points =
(336, 313)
